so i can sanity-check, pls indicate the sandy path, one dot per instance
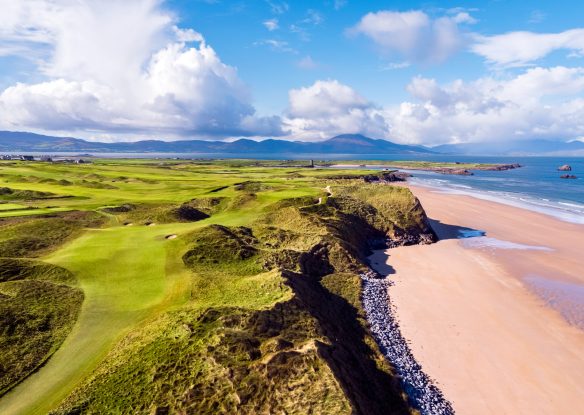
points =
(492, 346)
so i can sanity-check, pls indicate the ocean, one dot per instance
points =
(535, 186)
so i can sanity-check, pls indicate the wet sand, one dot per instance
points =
(493, 344)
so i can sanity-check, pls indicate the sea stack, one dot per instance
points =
(565, 167)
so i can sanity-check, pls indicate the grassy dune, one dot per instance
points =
(122, 272)
(39, 304)
(211, 287)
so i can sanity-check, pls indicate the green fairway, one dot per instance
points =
(187, 271)
(11, 206)
(127, 274)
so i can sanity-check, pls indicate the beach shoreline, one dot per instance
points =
(492, 341)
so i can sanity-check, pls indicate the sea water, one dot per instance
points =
(535, 186)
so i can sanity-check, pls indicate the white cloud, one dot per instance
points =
(413, 34)
(187, 35)
(464, 17)
(271, 24)
(301, 27)
(313, 17)
(307, 63)
(391, 66)
(523, 48)
(276, 45)
(103, 77)
(539, 103)
(327, 108)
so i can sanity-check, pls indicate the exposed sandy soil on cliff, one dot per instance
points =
(493, 346)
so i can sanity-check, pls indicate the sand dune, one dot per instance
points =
(492, 345)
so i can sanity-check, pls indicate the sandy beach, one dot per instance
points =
(495, 320)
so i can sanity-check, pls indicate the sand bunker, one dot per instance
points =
(170, 236)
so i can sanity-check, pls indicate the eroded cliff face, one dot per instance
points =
(310, 351)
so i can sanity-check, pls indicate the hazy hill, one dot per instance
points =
(346, 143)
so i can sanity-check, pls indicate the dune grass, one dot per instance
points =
(121, 290)
(187, 301)
(38, 306)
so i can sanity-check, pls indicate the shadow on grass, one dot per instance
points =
(370, 390)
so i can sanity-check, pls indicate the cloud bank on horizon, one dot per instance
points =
(136, 69)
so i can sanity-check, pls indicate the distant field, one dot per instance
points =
(186, 263)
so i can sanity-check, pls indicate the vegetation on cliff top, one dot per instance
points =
(252, 305)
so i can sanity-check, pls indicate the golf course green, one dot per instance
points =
(178, 262)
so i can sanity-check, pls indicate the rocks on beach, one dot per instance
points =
(459, 172)
(423, 394)
(387, 177)
(503, 167)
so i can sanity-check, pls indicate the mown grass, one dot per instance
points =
(12, 206)
(241, 296)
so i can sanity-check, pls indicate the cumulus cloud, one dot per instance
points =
(539, 103)
(413, 34)
(100, 76)
(523, 48)
(327, 108)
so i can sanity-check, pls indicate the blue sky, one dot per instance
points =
(412, 72)
(234, 27)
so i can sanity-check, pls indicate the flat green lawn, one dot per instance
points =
(127, 275)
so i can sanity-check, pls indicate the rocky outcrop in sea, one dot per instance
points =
(423, 394)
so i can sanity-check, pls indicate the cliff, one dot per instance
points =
(311, 351)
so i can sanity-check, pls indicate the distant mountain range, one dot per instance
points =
(515, 148)
(341, 144)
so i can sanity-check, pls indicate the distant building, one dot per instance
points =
(48, 159)
(80, 161)
(6, 157)
(27, 158)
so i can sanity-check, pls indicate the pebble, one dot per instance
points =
(422, 393)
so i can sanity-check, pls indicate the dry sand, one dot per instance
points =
(492, 345)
